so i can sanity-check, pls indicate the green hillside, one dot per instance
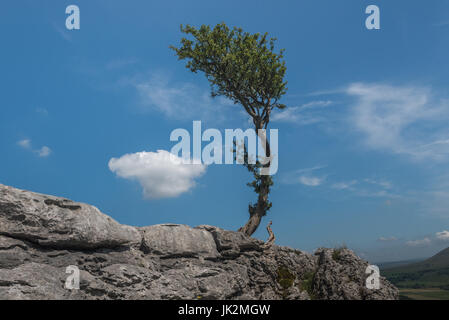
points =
(422, 280)
(395, 264)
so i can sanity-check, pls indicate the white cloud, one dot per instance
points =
(63, 32)
(382, 183)
(378, 194)
(441, 24)
(344, 185)
(301, 114)
(158, 174)
(42, 111)
(311, 181)
(305, 177)
(120, 63)
(42, 152)
(387, 239)
(25, 143)
(443, 235)
(310, 169)
(400, 119)
(180, 101)
(435, 143)
(419, 243)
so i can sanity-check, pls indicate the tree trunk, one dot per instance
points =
(251, 226)
(260, 208)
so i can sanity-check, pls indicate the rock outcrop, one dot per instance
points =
(40, 236)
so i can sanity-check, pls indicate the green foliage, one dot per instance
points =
(307, 283)
(336, 254)
(238, 65)
(285, 279)
(259, 182)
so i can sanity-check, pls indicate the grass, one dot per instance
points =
(336, 254)
(418, 279)
(423, 294)
(306, 284)
(285, 279)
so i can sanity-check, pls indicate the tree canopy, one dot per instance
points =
(238, 65)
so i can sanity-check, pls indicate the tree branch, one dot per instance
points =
(271, 237)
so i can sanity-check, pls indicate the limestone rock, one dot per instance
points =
(175, 240)
(40, 236)
(340, 275)
(60, 223)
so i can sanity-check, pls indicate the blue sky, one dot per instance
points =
(363, 144)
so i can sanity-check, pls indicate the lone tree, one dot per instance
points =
(244, 68)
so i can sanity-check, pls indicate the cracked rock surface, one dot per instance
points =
(41, 235)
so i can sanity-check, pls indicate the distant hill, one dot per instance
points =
(394, 264)
(438, 261)
(430, 273)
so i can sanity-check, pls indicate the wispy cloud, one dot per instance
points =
(305, 176)
(305, 170)
(382, 183)
(42, 111)
(387, 239)
(64, 33)
(330, 92)
(378, 194)
(441, 23)
(120, 63)
(25, 143)
(419, 242)
(344, 185)
(369, 188)
(42, 152)
(401, 119)
(304, 114)
(311, 181)
(179, 100)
